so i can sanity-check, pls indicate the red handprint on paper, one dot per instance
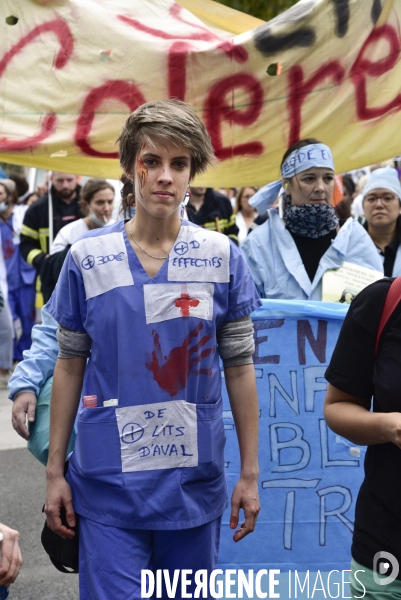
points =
(171, 371)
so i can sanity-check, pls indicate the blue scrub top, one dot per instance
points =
(150, 456)
(19, 273)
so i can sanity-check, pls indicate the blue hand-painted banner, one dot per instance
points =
(309, 476)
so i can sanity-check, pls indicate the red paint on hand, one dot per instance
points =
(171, 371)
(185, 303)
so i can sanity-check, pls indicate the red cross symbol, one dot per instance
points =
(185, 302)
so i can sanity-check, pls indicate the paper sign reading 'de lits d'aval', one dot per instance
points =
(343, 284)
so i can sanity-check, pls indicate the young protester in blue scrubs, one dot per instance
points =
(289, 255)
(153, 302)
(20, 275)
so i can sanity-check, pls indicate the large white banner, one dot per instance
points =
(71, 71)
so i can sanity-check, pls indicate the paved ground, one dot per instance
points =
(22, 483)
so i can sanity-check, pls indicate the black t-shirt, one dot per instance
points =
(311, 250)
(355, 370)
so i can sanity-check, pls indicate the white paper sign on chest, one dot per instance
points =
(200, 255)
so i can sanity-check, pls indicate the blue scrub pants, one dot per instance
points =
(111, 559)
(22, 305)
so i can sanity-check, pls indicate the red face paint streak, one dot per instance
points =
(142, 172)
(49, 121)
(218, 109)
(171, 371)
(363, 67)
(185, 303)
(299, 89)
(127, 93)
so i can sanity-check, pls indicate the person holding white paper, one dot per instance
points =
(288, 255)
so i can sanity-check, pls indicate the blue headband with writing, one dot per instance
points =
(307, 157)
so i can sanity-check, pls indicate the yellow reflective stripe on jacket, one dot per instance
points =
(39, 302)
(43, 236)
(39, 296)
(32, 255)
(223, 224)
(29, 232)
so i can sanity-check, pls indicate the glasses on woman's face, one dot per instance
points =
(385, 198)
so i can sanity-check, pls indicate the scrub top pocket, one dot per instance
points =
(211, 442)
(97, 447)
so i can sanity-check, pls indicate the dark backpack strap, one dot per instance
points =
(392, 300)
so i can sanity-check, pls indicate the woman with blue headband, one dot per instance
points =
(289, 255)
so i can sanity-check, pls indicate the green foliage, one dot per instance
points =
(261, 9)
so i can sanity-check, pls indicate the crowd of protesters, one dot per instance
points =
(30, 263)
(289, 232)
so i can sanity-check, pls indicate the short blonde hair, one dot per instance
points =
(171, 121)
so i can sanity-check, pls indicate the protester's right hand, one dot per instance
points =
(24, 407)
(393, 424)
(58, 494)
(11, 559)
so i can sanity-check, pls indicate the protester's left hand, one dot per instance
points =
(245, 496)
(11, 559)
